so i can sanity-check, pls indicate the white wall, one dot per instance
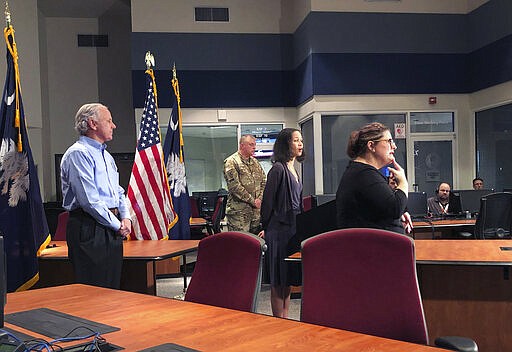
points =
(500, 94)
(288, 116)
(403, 6)
(262, 16)
(270, 16)
(72, 79)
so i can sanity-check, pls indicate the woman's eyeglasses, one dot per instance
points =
(390, 141)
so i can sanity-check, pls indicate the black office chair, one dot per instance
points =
(214, 223)
(494, 220)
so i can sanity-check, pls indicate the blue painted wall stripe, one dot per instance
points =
(333, 53)
(207, 51)
(213, 89)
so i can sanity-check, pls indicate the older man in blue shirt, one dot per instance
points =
(99, 217)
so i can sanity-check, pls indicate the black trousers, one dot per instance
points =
(95, 251)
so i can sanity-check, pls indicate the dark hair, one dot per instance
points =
(439, 186)
(358, 140)
(478, 179)
(282, 148)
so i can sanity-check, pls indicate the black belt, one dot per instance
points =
(114, 211)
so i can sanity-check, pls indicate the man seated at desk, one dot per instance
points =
(478, 183)
(440, 203)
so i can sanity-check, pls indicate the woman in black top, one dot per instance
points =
(282, 201)
(364, 198)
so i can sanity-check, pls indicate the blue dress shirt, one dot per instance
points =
(90, 181)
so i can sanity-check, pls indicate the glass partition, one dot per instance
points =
(335, 132)
(432, 164)
(493, 147)
(427, 122)
(308, 165)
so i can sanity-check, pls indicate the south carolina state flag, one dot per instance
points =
(22, 219)
(175, 165)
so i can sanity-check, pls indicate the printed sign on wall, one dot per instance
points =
(399, 130)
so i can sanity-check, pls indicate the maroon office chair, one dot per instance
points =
(60, 231)
(194, 208)
(228, 271)
(307, 202)
(365, 280)
(196, 231)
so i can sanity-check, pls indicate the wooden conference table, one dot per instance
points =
(446, 228)
(466, 289)
(146, 321)
(139, 263)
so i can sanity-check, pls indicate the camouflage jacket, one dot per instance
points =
(245, 180)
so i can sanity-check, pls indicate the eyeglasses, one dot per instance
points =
(390, 141)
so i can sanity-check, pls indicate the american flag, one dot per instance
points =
(148, 192)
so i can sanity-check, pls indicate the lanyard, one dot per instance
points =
(444, 208)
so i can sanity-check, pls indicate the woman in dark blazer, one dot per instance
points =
(282, 201)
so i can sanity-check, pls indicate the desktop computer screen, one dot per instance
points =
(470, 199)
(417, 204)
(206, 202)
(455, 204)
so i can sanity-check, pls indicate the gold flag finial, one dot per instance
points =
(150, 60)
(7, 14)
(173, 70)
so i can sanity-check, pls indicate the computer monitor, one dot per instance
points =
(455, 204)
(320, 199)
(470, 198)
(319, 219)
(417, 204)
(206, 202)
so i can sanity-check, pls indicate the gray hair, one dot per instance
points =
(86, 113)
(246, 137)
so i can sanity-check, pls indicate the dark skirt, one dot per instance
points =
(278, 271)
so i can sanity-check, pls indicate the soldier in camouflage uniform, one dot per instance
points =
(246, 180)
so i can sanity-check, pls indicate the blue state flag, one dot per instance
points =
(22, 219)
(175, 165)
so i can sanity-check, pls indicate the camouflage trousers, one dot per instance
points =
(248, 221)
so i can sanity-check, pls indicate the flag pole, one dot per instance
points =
(11, 46)
(7, 14)
(176, 88)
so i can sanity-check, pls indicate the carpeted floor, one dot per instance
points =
(173, 288)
